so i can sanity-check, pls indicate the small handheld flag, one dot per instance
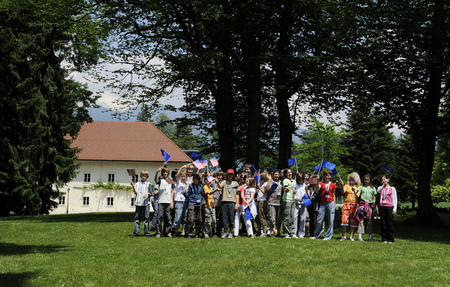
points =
(272, 189)
(248, 214)
(328, 165)
(257, 176)
(204, 162)
(214, 161)
(334, 172)
(318, 168)
(195, 156)
(306, 200)
(292, 161)
(131, 172)
(387, 168)
(198, 164)
(165, 155)
(210, 178)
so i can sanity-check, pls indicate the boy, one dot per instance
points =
(210, 208)
(164, 189)
(230, 203)
(143, 191)
(195, 198)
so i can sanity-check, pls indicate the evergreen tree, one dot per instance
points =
(41, 108)
(370, 144)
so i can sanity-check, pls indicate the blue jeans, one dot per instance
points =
(155, 213)
(137, 219)
(180, 214)
(326, 210)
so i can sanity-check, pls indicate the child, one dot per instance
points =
(195, 198)
(300, 208)
(367, 200)
(218, 202)
(246, 196)
(181, 204)
(313, 193)
(275, 206)
(289, 204)
(229, 203)
(210, 208)
(143, 191)
(262, 203)
(327, 207)
(388, 207)
(165, 204)
(350, 207)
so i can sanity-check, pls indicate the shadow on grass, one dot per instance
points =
(15, 249)
(80, 217)
(409, 231)
(16, 279)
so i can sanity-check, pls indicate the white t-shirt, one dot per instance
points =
(301, 191)
(165, 191)
(180, 188)
(261, 195)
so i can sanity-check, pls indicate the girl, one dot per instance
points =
(313, 193)
(247, 196)
(288, 204)
(327, 206)
(165, 203)
(367, 201)
(350, 204)
(388, 207)
(262, 202)
(300, 208)
(210, 208)
(275, 205)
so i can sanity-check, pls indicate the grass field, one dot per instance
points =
(96, 250)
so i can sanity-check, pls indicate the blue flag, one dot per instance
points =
(292, 161)
(165, 155)
(334, 172)
(306, 200)
(328, 165)
(248, 214)
(252, 170)
(272, 189)
(318, 168)
(195, 156)
(387, 168)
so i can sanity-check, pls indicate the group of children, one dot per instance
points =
(217, 202)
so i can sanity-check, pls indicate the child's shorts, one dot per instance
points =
(349, 215)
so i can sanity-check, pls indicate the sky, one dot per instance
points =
(108, 98)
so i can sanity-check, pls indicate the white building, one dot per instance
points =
(109, 149)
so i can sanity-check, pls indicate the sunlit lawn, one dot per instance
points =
(96, 250)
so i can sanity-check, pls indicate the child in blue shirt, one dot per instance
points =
(195, 199)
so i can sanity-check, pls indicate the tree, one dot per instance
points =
(399, 62)
(369, 142)
(321, 142)
(42, 109)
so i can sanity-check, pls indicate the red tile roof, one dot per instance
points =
(126, 141)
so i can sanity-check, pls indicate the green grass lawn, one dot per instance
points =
(97, 250)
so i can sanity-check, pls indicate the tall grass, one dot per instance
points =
(97, 250)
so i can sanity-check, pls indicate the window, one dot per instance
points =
(132, 201)
(86, 200)
(62, 200)
(109, 201)
(111, 177)
(135, 178)
(87, 177)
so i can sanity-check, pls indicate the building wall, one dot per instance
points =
(98, 198)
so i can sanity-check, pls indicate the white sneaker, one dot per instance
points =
(224, 235)
(351, 238)
(343, 238)
(360, 239)
(230, 235)
(206, 236)
(301, 236)
(287, 236)
(263, 235)
(295, 236)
